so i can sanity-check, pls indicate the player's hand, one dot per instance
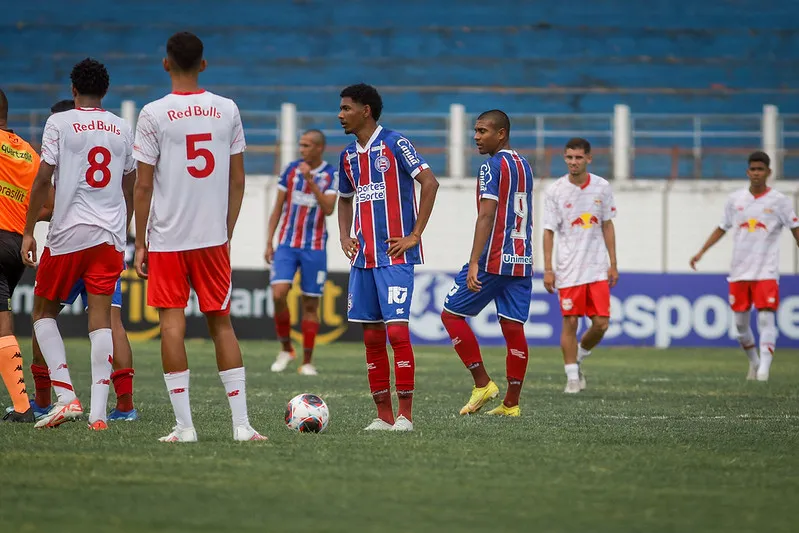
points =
(472, 282)
(305, 169)
(140, 262)
(399, 245)
(269, 255)
(613, 276)
(28, 250)
(350, 247)
(549, 281)
(694, 260)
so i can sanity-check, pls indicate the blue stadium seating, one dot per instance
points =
(718, 56)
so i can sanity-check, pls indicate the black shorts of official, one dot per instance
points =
(11, 266)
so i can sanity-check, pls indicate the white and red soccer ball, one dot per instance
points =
(307, 413)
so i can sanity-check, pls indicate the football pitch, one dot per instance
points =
(661, 441)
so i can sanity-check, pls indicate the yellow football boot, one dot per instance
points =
(502, 410)
(480, 397)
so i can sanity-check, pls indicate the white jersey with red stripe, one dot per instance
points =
(756, 223)
(189, 138)
(575, 214)
(91, 150)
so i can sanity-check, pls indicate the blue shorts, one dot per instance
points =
(312, 265)
(380, 294)
(512, 295)
(79, 289)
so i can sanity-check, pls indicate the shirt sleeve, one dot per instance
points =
(283, 182)
(50, 139)
(344, 185)
(728, 216)
(130, 163)
(490, 172)
(237, 143)
(145, 146)
(608, 205)
(332, 185)
(408, 158)
(551, 215)
(787, 214)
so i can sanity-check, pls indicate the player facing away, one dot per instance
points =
(756, 216)
(122, 375)
(18, 165)
(190, 148)
(579, 208)
(306, 194)
(500, 267)
(378, 170)
(89, 152)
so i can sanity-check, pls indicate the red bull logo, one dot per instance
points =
(585, 221)
(753, 225)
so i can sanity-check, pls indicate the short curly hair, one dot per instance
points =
(364, 94)
(90, 78)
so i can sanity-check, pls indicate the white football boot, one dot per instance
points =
(378, 424)
(402, 424)
(572, 386)
(180, 435)
(282, 361)
(246, 433)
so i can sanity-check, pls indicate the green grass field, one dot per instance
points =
(662, 441)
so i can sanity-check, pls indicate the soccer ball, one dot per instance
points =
(307, 413)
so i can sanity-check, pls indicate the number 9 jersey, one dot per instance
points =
(507, 178)
(189, 138)
(91, 150)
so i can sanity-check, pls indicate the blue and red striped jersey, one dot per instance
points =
(302, 223)
(381, 177)
(507, 178)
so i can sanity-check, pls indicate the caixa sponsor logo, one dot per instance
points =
(371, 192)
(408, 151)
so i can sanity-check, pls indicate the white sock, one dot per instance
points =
(767, 328)
(745, 337)
(572, 372)
(102, 357)
(177, 383)
(55, 355)
(233, 380)
(582, 353)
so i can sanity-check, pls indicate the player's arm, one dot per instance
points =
(609, 234)
(236, 192)
(142, 197)
(128, 183)
(274, 218)
(39, 193)
(345, 214)
(326, 201)
(427, 198)
(715, 237)
(549, 272)
(795, 233)
(46, 212)
(482, 231)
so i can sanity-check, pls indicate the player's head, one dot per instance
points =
(62, 105)
(491, 131)
(577, 155)
(759, 168)
(89, 79)
(312, 145)
(360, 105)
(184, 54)
(3, 107)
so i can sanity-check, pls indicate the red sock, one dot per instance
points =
(44, 389)
(123, 386)
(466, 347)
(379, 372)
(283, 329)
(404, 367)
(309, 331)
(515, 360)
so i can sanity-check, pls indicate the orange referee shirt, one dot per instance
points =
(19, 164)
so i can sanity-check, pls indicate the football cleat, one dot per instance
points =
(583, 383)
(282, 361)
(480, 396)
(13, 416)
(61, 413)
(307, 370)
(38, 412)
(378, 424)
(752, 374)
(98, 425)
(180, 435)
(503, 410)
(572, 386)
(246, 433)
(402, 424)
(126, 416)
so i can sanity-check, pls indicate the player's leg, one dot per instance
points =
(572, 306)
(168, 291)
(598, 309)
(459, 303)
(210, 275)
(11, 269)
(122, 376)
(740, 298)
(767, 300)
(102, 356)
(284, 266)
(313, 274)
(363, 306)
(513, 309)
(41, 380)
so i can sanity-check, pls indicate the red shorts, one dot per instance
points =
(590, 299)
(207, 270)
(764, 293)
(99, 267)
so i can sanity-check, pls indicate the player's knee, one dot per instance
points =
(398, 334)
(570, 323)
(510, 327)
(449, 318)
(766, 320)
(310, 306)
(600, 323)
(280, 292)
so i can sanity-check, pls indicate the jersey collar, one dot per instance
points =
(362, 150)
(762, 194)
(187, 93)
(320, 168)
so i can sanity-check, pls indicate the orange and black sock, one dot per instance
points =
(11, 370)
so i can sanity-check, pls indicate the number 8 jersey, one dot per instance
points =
(189, 138)
(507, 178)
(91, 150)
